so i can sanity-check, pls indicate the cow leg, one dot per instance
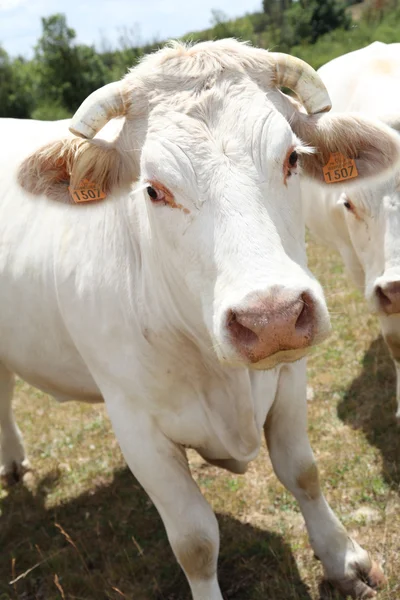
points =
(13, 462)
(392, 340)
(346, 564)
(161, 468)
(397, 365)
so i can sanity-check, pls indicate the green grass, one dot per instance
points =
(87, 531)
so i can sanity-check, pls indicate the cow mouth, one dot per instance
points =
(280, 357)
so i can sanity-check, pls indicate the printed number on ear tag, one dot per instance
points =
(87, 191)
(339, 168)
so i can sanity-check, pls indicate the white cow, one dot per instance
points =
(363, 223)
(183, 299)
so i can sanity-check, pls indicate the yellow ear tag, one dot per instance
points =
(87, 191)
(339, 168)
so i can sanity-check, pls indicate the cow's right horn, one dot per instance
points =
(300, 77)
(100, 107)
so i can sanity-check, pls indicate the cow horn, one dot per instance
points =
(98, 108)
(299, 77)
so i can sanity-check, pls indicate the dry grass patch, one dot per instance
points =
(81, 528)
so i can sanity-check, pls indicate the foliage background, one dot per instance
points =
(63, 72)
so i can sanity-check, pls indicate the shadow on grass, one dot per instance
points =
(369, 404)
(112, 545)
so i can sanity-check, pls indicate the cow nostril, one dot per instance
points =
(241, 334)
(306, 313)
(388, 296)
(383, 299)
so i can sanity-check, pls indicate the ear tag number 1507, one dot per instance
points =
(87, 191)
(339, 168)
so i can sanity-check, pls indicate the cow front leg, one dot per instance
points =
(397, 365)
(161, 468)
(347, 566)
(12, 456)
(390, 327)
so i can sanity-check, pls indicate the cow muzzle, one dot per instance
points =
(388, 297)
(279, 322)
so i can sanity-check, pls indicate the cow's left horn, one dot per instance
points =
(299, 77)
(98, 108)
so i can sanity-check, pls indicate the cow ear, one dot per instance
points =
(348, 148)
(63, 164)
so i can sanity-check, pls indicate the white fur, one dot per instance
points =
(126, 300)
(365, 81)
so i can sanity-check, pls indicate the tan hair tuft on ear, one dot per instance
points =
(54, 167)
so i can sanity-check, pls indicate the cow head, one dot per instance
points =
(215, 151)
(371, 252)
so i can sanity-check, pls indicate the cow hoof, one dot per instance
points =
(363, 584)
(13, 473)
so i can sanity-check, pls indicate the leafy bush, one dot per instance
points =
(16, 87)
(50, 111)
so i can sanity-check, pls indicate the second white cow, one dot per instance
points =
(363, 223)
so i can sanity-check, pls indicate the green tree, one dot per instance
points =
(271, 6)
(15, 87)
(326, 16)
(221, 24)
(6, 80)
(275, 11)
(127, 54)
(67, 72)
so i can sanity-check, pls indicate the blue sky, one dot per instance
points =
(97, 20)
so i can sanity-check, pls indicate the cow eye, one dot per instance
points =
(290, 164)
(293, 158)
(156, 194)
(347, 203)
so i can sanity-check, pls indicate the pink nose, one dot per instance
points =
(271, 324)
(389, 297)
